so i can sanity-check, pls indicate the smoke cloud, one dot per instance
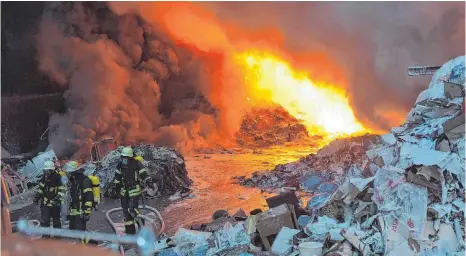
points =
(163, 72)
(363, 47)
(114, 68)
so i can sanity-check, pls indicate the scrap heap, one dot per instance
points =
(263, 127)
(166, 167)
(401, 193)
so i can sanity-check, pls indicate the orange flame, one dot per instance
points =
(324, 109)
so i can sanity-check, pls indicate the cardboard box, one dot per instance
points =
(270, 223)
(429, 172)
(453, 123)
(411, 177)
(443, 145)
(452, 90)
(456, 132)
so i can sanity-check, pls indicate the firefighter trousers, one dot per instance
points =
(50, 212)
(78, 223)
(130, 211)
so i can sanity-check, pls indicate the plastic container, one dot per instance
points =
(310, 249)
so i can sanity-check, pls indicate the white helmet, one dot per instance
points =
(48, 165)
(71, 166)
(90, 169)
(127, 151)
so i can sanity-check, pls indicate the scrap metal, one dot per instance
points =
(422, 70)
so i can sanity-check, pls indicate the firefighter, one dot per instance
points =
(81, 198)
(50, 195)
(129, 174)
(64, 206)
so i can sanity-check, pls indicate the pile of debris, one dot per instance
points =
(264, 127)
(401, 193)
(15, 183)
(166, 167)
(329, 164)
(28, 166)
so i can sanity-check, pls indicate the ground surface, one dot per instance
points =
(213, 188)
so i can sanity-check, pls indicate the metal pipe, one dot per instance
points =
(24, 227)
(145, 239)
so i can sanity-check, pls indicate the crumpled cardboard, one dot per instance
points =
(270, 222)
(283, 243)
(405, 202)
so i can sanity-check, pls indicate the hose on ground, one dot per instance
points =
(157, 213)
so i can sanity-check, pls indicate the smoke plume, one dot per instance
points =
(363, 47)
(114, 68)
(163, 72)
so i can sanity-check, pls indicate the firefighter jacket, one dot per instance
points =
(128, 175)
(51, 188)
(81, 194)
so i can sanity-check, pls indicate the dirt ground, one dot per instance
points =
(213, 189)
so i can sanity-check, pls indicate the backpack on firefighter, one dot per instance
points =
(90, 173)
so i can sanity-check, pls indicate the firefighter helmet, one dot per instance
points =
(71, 166)
(127, 151)
(90, 169)
(48, 165)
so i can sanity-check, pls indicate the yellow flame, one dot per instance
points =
(323, 109)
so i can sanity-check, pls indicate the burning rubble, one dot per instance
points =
(262, 127)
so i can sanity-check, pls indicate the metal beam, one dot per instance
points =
(422, 70)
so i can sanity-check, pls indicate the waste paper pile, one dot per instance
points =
(329, 163)
(166, 167)
(263, 127)
(401, 193)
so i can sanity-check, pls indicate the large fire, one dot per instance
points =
(324, 109)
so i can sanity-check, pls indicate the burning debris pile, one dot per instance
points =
(263, 127)
(395, 194)
(166, 167)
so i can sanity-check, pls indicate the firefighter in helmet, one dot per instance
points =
(81, 197)
(50, 195)
(129, 175)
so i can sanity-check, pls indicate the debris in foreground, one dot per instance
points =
(401, 193)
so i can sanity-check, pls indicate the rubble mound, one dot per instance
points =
(264, 127)
(166, 167)
(402, 193)
(331, 162)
